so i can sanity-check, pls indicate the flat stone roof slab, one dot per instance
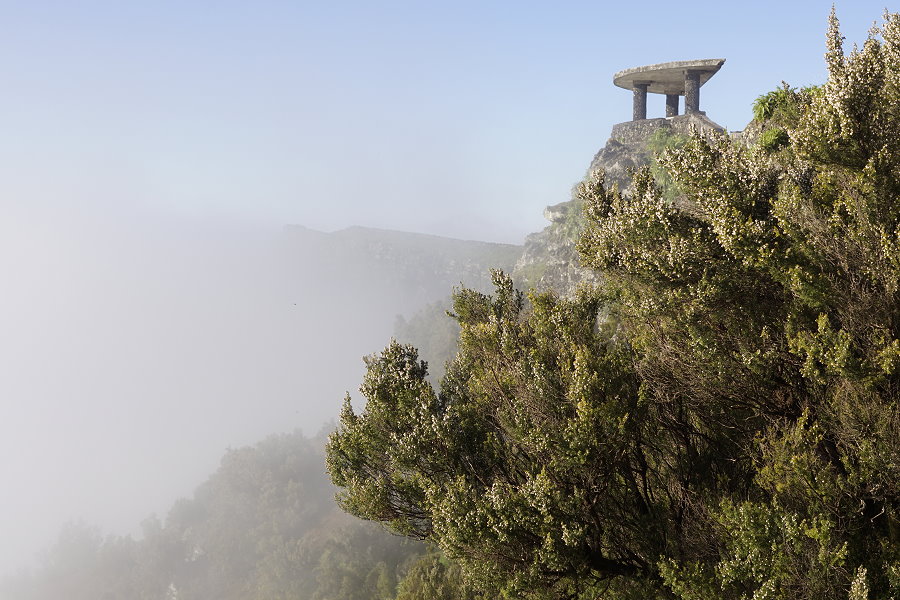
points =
(668, 77)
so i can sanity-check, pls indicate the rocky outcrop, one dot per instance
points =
(550, 257)
(550, 260)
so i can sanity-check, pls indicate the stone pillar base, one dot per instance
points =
(691, 91)
(672, 105)
(640, 101)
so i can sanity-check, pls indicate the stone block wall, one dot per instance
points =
(637, 132)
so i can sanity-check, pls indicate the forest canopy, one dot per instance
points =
(718, 420)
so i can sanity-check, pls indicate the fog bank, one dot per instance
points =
(138, 346)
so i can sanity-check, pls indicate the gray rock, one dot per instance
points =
(550, 258)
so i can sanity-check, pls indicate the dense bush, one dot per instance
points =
(720, 421)
(773, 139)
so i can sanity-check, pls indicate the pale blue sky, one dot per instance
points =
(461, 118)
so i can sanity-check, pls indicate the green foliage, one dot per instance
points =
(771, 297)
(663, 139)
(486, 476)
(359, 563)
(658, 143)
(773, 139)
(433, 577)
(433, 332)
(784, 105)
(777, 102)
(779, 112)
(732, 431)
(541, 466)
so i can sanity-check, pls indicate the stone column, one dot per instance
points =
(640, 100)
(691, 91)
(671, 105)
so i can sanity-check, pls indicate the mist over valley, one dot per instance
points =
(136, 351)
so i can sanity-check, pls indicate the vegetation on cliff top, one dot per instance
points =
(729, 430)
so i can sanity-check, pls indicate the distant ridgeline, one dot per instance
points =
(550, 259)
(415, 269)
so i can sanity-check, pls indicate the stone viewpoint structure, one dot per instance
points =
(674, 79)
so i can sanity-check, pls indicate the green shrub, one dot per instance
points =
(661, 140)
(773, 139)
(765, 107)
(782, 105)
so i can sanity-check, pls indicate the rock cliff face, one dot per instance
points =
(550, 258)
